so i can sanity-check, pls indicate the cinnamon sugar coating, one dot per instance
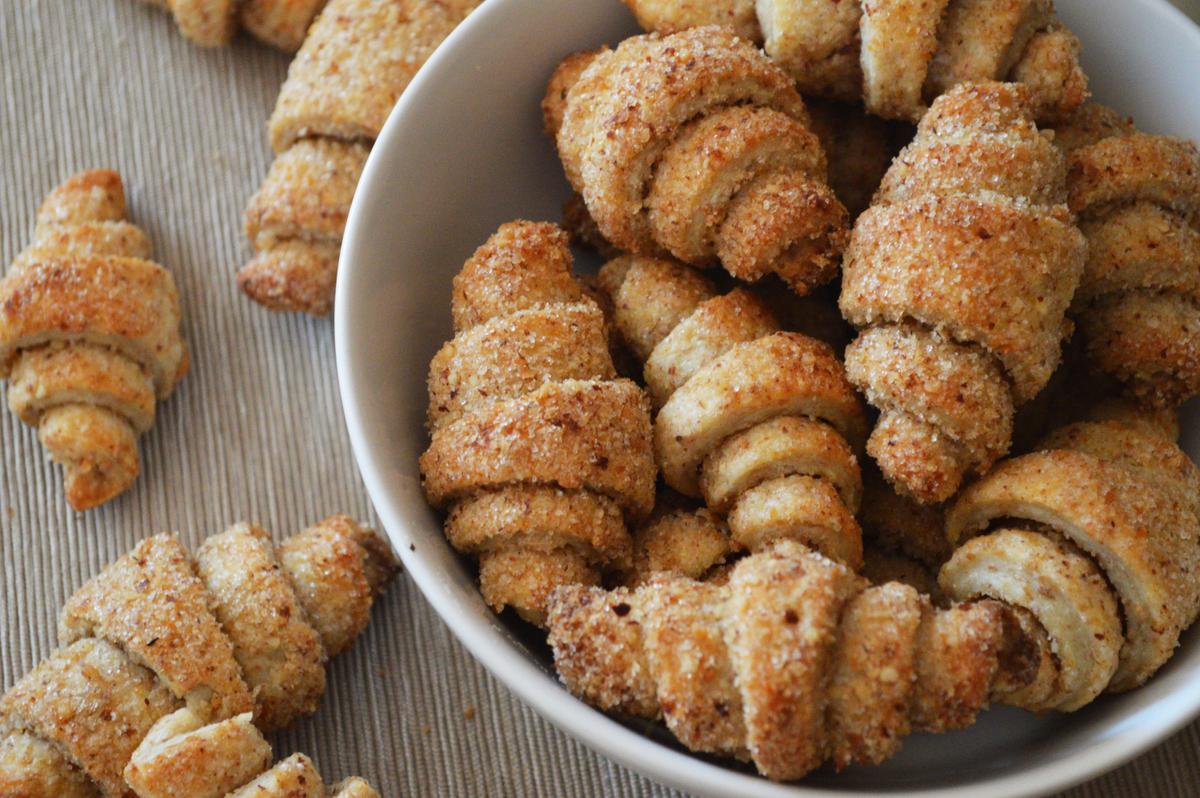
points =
(1126, 513)
(776, 465)
(357, 59)
(793, 661)
(94, 704)
(151, 604)
(183, 758)
(297, 215)
(959, 277)
(895, 56)
(156, 630)
(1138, 198)
(540, 455)
(89, 336)
(697, 145)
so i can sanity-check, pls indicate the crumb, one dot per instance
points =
(469, 713)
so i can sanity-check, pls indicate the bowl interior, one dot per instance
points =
(464, 152)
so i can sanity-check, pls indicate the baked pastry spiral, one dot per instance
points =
(793, 661)
(538, 452)
(1138, 201)
(894, 56)
(183, 757)
(89, 336)
(356, 61)
(1096, 539)
(762, 424)
(244, 626)
(696, 144)
(958, 279)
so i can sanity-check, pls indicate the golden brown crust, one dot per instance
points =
(127, 304)
(293, 276)
(691, 543)
(1137, 307)
(294, 777)
(574, 434)
(33, 768)
(96, 448)
(1005, 255)
(792, 661)
(894, 55)
(1092, 122)
(598, 651)
(566, 74)
(48, 376)
(538, 452)
(93, 703)
(685, 648)
(873, 673)
(651, 296)
(513, 354)
(696, 144)
(1136, 167)
(522, 264)
(800, 508)
(540, 518)
(1138, 535)
(959, 278)
(356, 61)
(817, 43)
(959, 653)
(282, 24)
(790, 374)
(714, 158)
(306, 194)
(337, 569)
(181, 757)
(899, 39)
(295, 223)
(1063, 590)
(353, 787)
(711, 330)
(1049, 67)
(152, 605)
(280, 655)
(983, 39)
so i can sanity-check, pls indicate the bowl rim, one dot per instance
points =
(529, 682)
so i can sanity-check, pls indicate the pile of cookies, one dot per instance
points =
(844, 488)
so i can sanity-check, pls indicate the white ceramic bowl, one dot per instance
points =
(462, 153)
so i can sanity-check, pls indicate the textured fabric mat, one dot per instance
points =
(255, 431)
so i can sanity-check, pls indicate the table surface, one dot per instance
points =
(256, 431)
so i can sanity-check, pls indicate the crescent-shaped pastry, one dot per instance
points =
(697, 145)
(959, 278)
(1138, 198)
(357, 59)
(895, 56)
(793, 661)
(89, 336)
(1106, 513)
(538, 453)
(241, 628)
(755, 421)
(182, 757)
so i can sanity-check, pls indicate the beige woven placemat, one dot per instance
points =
(255, 432)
